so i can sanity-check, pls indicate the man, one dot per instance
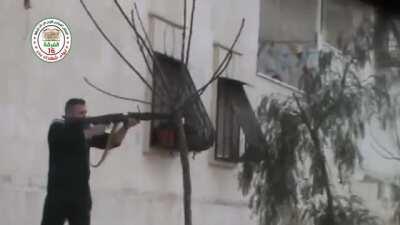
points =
(68, 193)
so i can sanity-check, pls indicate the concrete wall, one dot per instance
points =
(288, 38)
(286, 20)
(136, 185)
(342, 20)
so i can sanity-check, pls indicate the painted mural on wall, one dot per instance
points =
(286, 62)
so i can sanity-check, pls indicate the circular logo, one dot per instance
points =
(51, 40)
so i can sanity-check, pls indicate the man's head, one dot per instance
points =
(75, 108)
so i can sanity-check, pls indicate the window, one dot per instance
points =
(230, 137)
(171, 85)
(239, 134)
(286, 62)
(163, 133)
(228, 128)
(173, 82)
(287, 39)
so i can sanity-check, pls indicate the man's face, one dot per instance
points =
(77, 111)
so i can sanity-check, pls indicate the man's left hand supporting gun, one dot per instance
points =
(68, 193)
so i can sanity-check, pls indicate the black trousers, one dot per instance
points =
(60, 208)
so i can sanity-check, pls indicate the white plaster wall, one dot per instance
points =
(287, 20)
(134, 185)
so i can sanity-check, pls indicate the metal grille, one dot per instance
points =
(228, 129)
(244, 118)
(175, 85)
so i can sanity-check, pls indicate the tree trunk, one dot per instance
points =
(187, 185)
(329, 218)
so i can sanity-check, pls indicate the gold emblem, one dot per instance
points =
(51, 34)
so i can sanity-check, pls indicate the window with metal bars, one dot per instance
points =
(239, 135)
(172, 86)
(166, 84)
(228, 142)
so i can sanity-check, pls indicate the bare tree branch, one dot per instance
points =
(222, 70)
(141, 46)
(184, 32)
(114, 95)
(216, 74)
(117, 50)
(138, 35)
(225, 62)
(220, 67)
(190, 32)
(114, 47)
(148, 41)
(151, 50)
(146, 36)
(140, 40)
(182, 142)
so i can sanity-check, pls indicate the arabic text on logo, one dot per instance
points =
(51, 40)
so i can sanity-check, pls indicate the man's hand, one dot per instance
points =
(130, 122)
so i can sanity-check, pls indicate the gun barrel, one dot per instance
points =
(120, 117)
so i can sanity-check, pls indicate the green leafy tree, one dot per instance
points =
(303, 132)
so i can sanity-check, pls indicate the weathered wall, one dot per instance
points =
(347, 29)
(135, 185)
(286, 20)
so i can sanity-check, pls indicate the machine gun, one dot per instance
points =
(115, 118)
(119, 117)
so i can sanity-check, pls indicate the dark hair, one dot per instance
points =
(73, 101)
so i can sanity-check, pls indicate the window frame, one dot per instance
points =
(153, 142)
(222, 104)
